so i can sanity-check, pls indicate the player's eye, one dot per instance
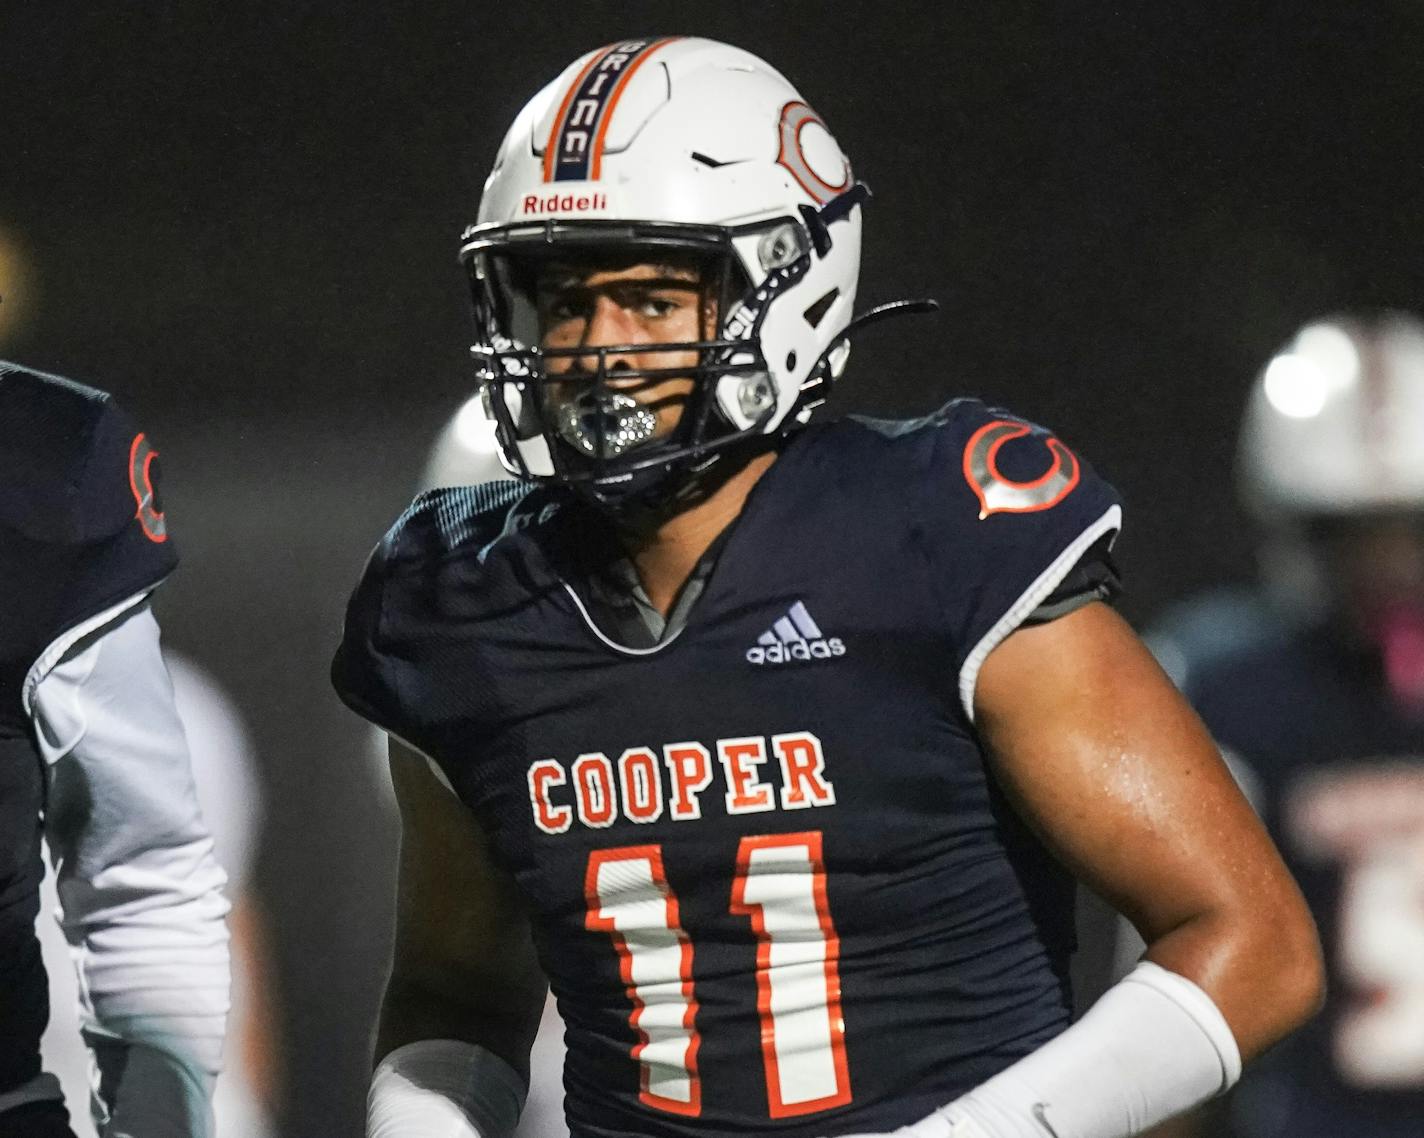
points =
(655, 302)
(656, 307)
(566, 304)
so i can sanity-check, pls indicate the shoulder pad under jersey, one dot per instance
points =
(1008, 511)
(433, 558)
(81, 522)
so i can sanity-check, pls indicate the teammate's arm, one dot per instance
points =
(139, 887)
(1104, 758)
(463, 1002)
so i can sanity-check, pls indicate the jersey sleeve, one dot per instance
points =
(399, 617)
(362, 671)
(1019, 527)
(124, 547)
(82, 530)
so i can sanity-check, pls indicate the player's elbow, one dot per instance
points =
(1302, 971)
(1256, 953)
(501, 1016)
(1290, 968)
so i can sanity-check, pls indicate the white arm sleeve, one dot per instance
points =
(140, 891)
(1154, 1046)
(443, 1088)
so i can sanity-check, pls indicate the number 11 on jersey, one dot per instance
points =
(628, 898)
(780, 886)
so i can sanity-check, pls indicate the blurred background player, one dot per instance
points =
(91, 743)
(466, 452)
(225, 776)
(1313, 684)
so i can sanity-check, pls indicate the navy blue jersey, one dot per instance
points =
(81, 525)
(1337, 771)
(771, 881)
(80, 531)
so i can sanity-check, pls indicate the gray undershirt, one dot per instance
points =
(632, 618)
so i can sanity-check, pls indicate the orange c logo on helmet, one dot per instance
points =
(795, 117)
(1000, 495)
(141, 456)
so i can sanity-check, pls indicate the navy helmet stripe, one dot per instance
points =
(575, 145)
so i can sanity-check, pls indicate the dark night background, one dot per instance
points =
(242, 219)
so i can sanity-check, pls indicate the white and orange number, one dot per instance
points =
(1371, 818)
(780, 887)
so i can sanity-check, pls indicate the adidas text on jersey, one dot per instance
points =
(796, 636)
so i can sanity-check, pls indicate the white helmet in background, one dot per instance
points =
(466, 452)
(682, 145)
(1334, 430)
(1335, 423)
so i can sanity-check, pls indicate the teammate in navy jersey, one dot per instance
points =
(1315, 688)
(90, 744)
(773, 746)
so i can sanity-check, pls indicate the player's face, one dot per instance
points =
(601, 306)
(1377, 560)
(1376, 565)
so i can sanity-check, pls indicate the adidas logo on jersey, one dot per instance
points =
(794, 637)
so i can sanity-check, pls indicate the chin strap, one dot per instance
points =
(641, 508)
(922, 306)
(821, 374)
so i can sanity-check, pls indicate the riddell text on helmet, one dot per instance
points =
(562, 203)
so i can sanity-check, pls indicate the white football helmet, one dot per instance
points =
(1334, 429)
(674, 144)
(466, 452)
(1335, 422)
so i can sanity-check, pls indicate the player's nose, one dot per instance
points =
(609, 324)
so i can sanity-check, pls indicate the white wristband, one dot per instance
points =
(1152, 1047)
(443, 1088)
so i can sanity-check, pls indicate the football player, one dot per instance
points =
(774, 745)
(1314, 685)
(90, 743)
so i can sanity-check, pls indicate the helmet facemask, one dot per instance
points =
(660, 147)
(645, 422)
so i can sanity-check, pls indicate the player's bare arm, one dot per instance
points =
(463, 967)
(1112, 767)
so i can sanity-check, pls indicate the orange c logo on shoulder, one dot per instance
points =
(141, 456)
(1000, 495)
